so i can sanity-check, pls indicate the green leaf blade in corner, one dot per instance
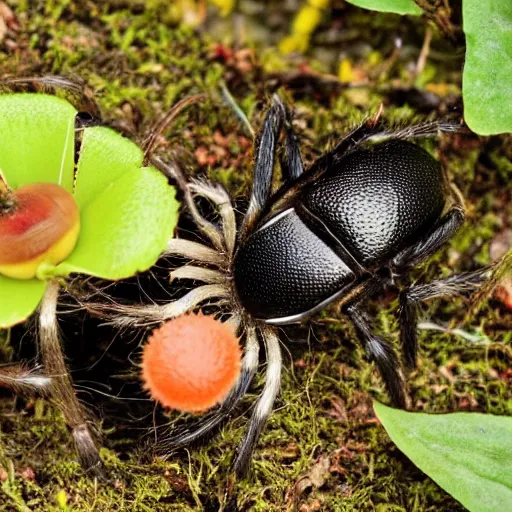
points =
(468, 454)
(487, 78)
(396, 6)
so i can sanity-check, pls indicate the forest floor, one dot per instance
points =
(323, 448)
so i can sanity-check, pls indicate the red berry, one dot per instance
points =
(39, 223)
(191, 362)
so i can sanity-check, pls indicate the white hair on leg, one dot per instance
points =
(416, 131)
(133, 316)
(24, 380)
(249, 366)
(172, 169)
(265, 403)
(204, 275)
(194, 251)
(221, 199)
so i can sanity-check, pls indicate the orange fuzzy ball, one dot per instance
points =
(191, 362)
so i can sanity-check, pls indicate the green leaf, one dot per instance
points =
(105, 156)
(487, 77)
(18, 299)
(125, 228)
(396, 6)
(468, 454)
(37, 139)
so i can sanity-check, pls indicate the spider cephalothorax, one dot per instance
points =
(343, 230)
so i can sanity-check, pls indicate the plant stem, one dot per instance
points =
(61, 391)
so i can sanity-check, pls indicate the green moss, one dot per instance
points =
(137, 66)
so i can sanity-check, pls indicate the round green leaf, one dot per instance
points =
(468, 454)
(37, 139)
(396, 6)
(105, 156)
(18, 299)
(487, 78)
(125, 228)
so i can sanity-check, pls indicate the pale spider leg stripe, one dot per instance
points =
(146, 315)
(194, 251)
(221, 199)
(215, 418)
(265, 402)
(249, 368)
(211, 231)
(205, 275)
(415, 131)
(24, 380)
(206, 227)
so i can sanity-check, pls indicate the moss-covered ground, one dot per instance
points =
(323, 448)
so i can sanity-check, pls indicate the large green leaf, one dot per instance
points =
(487, 78)
(105, 156)
(467, 454)
(126, 227)
(396, 6)
(37, 139)
(18, 299)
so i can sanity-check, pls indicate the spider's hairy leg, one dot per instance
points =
(264, 164)
(61, 390)
(194, 251)
(205, 275)
(413, 296)
(235, 321)
(292, 166)
(416, 131)
(121, 315)
(126, 316)
(24, 380)
(265, 402)
(429, 244)
(221, 199)
(73, 90)
(172, 170)
(448, 224)
(373, 130)
(378, 349)
(382, 353)
(215, 418)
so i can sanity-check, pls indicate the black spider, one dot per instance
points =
(343, 230)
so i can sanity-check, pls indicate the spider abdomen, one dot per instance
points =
(284, 270)
(376, 201)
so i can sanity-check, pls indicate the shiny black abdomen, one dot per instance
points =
(284, 269)
(376, 201)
